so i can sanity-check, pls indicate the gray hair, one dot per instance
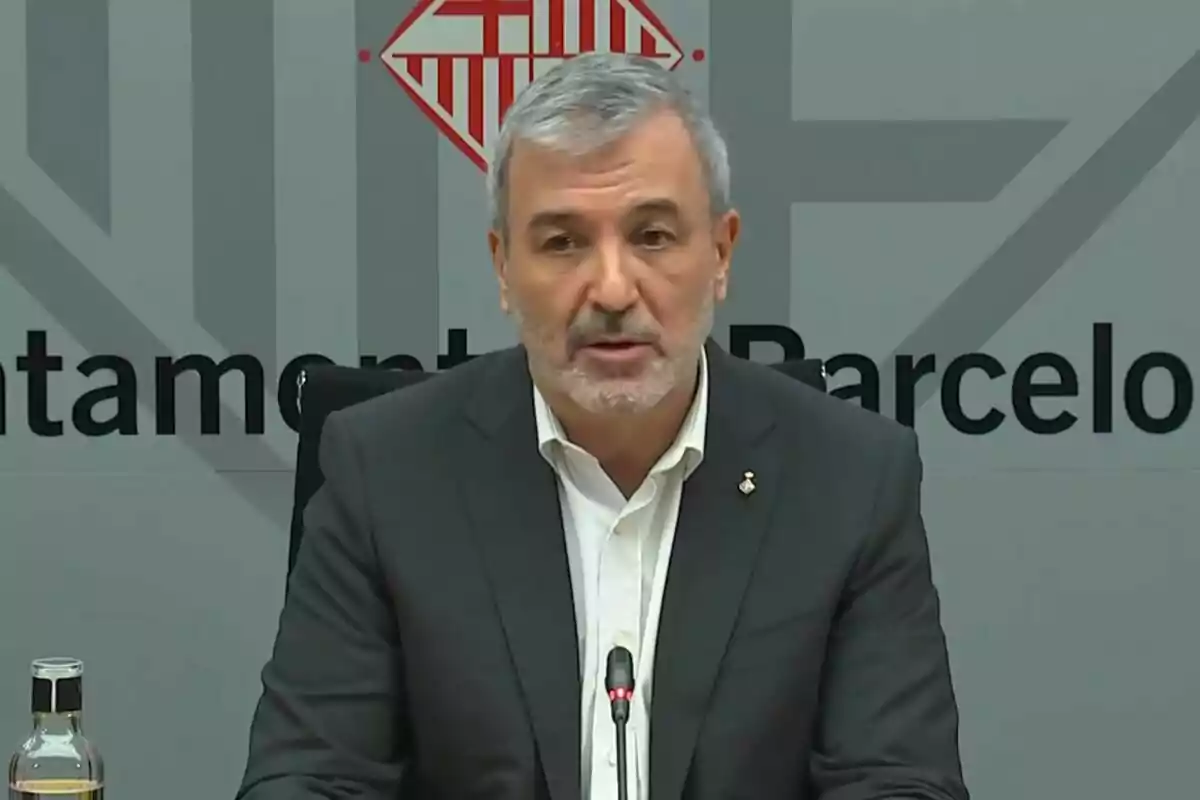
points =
(593, 99)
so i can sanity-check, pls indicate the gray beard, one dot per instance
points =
(615, 395)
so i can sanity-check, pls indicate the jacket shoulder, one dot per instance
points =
(422, 408)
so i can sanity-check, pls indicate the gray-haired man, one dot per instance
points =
(484, 539)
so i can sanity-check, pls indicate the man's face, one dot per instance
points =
(612, 264)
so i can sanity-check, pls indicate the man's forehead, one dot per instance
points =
(649, 166)
(562, 216)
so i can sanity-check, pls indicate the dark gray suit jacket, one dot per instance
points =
(427, 645)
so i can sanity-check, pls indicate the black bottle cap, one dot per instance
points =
(57, 686)
(57, 696)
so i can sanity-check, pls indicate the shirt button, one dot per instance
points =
(612, 756)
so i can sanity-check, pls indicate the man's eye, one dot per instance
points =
(559, 244)
(655, 238)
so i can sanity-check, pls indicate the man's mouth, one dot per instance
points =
(620, 349)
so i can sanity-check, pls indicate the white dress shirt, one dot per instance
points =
(618, 550)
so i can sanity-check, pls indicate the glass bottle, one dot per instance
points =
(56, 761)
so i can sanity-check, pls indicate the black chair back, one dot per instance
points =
(325, 388)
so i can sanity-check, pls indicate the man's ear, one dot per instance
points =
(498, 248)
(725, 237)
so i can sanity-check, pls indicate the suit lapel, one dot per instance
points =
(716, 544)
(513, 500)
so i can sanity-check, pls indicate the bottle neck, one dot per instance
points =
(60, 724)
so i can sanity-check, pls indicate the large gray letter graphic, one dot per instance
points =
(97, 319)
(69, 130)
(397, 204)
(233, 157)
(1027, 259)
(85, 307)
(782, 161)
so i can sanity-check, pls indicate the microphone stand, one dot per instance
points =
(622, 763)
(618, 680)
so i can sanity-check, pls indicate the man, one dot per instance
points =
(486, 537)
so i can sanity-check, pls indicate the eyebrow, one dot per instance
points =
(559, 218)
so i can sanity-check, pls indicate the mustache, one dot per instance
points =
(595, 326)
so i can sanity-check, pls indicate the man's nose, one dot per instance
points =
(613, 287)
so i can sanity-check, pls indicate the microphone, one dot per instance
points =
(618, 680)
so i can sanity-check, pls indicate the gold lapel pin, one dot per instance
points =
(747, 486)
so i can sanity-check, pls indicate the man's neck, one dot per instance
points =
(628, 445)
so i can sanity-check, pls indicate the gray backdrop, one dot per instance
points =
(933, 177)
